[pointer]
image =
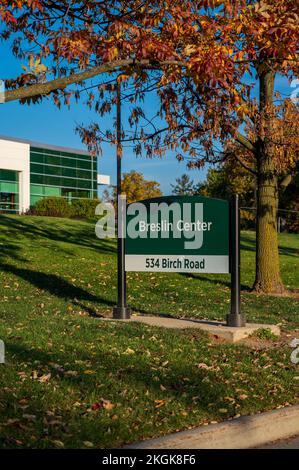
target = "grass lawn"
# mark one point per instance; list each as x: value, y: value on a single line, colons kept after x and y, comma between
x: 73, y: 380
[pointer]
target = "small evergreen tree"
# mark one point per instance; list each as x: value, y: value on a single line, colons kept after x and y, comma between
x: 184, y: 186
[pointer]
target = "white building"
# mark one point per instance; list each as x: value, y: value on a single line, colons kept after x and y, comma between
x: 30, y: 171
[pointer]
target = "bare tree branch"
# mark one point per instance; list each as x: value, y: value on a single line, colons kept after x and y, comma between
x: 245, y: 142
x: 244, y: 165
x: 286, y: 181
x: 41, y: 89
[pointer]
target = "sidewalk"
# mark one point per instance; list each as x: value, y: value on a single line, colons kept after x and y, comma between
x: 246, y: 432
x: 292, y: 443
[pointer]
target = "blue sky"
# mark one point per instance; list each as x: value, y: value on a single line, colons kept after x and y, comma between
x: 46, y: 123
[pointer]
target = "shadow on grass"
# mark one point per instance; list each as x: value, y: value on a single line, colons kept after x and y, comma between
x: 57, y: 286
x: 78, y: 233
x: 132, y: 383
x: 249, y: 244
x: 211, y: 280
x: 183, y: 382
x: 11, y: 250
x: 61, y: 288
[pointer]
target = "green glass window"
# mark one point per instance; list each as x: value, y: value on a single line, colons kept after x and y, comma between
x: 75, y: 194
x: 51, y: 152
x: 8, y: 175
x: 44, y: 190
x: 6, y: 187
x: 9, y: 192
x: 53, y: 160
x: 58, y: 173
x: 84, y: 164
x: 36, y: 158
x: 35, y: 189
x: 38, y: 179
x: 52, y: 180
x: 37, y: 168
x: 70, y: 162
x: 53, y: 170
x: 84, y: 184
x: 34, y: 199
x: 68, y: 183
x: 83, y: 174
x: 69, y: 172
x: 51, y: 191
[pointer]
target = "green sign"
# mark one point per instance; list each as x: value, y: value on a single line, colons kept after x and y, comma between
x: 178, y: 234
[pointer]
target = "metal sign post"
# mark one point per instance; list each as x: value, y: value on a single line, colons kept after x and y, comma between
x: 121, y: 311
x: 235, y: 318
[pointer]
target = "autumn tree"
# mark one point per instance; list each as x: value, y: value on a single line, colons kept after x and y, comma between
x: 200, y: 56
x: 136, y: 188
x: 230, y: 178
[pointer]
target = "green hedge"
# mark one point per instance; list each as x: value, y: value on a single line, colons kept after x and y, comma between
x: 84, y: 208
x: 52, y: 207
x: 59, y: 207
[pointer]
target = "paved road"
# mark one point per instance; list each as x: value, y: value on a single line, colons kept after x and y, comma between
x: 292, y: 443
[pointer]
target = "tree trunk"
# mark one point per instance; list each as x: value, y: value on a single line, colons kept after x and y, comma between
x: 267, y: 257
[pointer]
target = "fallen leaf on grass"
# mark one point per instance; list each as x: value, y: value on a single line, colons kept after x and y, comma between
x: 102, y: 404
x: 159, y: 403
x: 44, y: 378
x: 202, y: 365
x: 54, y: 422
x: 222, y: 410
x: 243, y: 396
x: 58, y: 443
x: 230, y: 399
x: 71, y: 373
x: 40, y: 378
x: 12, y: 422
x: 23, y: 401
x: 96, y: 406
x: 12, y: 440
x: 129, y: 351
x: 57, y: 367
x: 29, y: 417
x: 107, y: 405
x: 22, y: 375
x: 88, y: 444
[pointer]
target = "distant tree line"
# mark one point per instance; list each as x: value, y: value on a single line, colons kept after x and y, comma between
x: 230, y: 178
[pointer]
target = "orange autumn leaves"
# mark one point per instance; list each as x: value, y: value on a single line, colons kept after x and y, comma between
x: 196, y: 54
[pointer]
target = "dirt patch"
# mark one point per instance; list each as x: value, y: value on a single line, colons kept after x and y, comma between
x: 259, y: 344
x: 294, y: 294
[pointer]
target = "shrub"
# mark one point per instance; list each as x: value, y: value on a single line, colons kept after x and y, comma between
x: 60, y: 207
x: 84, y: 208
x: 51, y: 207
